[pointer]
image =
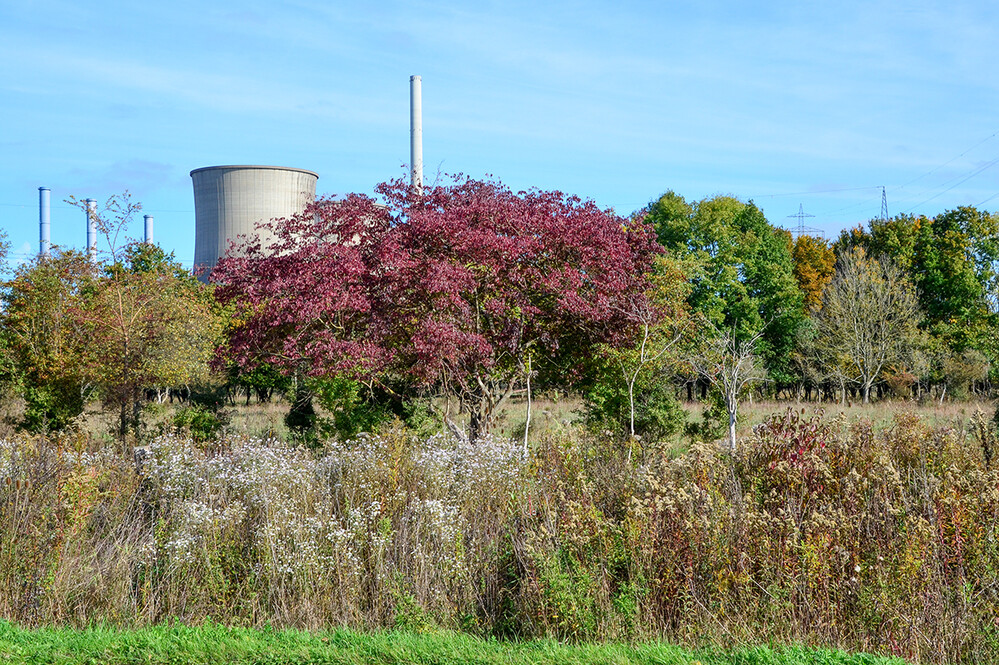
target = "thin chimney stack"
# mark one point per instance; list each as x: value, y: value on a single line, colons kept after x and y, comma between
x: 416, y: 133
x: 92, y: 229
x: 44, y: 220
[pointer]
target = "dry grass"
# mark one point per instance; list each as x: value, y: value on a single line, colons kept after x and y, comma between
x: 880, y: 414
x: 834, y: 532
x: 549, y: 416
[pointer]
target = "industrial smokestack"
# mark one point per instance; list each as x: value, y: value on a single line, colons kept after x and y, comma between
x: 416, y: 133
x: 44, y: 220
x: 149, y: 229
x: 92, y: 229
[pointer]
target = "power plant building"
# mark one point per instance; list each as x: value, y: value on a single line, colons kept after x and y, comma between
x: 230, y: 201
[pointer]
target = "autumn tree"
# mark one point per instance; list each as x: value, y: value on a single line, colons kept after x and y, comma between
x: 814, y: 266
x: 455, y: 288
x: 306, y: 305
x: 77, y: 328
x: 154, y: 325
x: 48, y: 344
x: 868, y: 319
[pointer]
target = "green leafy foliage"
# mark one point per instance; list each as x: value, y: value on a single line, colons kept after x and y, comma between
x: 350, y: 405
x: 713, y: 423
x: 740, y: 268
x: 203, y: 423
x: 302, y: 418
x: 629, y: 389
x: 953, y: 260
x: 658, y: 414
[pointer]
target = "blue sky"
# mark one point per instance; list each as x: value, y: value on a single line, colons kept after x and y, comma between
x: 788, y: 103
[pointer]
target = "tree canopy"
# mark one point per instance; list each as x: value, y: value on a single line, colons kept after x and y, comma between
x: 741, y: 271
x: 461, y: 288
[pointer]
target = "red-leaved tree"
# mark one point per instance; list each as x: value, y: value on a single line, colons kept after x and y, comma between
x: 467, y: 287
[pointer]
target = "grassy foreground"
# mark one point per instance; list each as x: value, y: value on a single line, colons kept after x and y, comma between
x: 212, y: 643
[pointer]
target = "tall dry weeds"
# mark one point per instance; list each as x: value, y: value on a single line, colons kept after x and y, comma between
x: 871, y: 539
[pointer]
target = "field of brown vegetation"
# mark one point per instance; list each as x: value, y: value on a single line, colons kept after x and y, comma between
x: 873, y: 530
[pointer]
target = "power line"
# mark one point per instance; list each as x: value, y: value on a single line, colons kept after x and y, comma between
x: 987, y: 200
x: 814, y: 191
x: 937, y: 168
x: 971, y: 175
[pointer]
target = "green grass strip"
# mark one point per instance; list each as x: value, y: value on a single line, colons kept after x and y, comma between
x: 176, y: 644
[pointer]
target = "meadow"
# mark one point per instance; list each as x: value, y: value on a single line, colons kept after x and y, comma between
x: 871, y: 531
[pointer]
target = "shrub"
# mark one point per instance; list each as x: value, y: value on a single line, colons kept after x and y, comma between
x: 52, y: 406
x: 607, y: 409
x: 302, y: 419
x: 201, y: 422
x: 351, y: 411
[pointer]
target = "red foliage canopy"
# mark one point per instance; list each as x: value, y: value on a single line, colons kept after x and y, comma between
x: 457, y: 285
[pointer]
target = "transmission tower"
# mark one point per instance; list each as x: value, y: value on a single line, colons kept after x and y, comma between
x: 884, y: 205
x: 801, y: 215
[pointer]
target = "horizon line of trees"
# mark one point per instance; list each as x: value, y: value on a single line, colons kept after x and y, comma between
x: 453, y: 301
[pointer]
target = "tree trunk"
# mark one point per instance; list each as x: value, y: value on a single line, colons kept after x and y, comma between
x: 731, y: 428
x: 527, y: 423
x: 478, y: 422
x: 631, y: 404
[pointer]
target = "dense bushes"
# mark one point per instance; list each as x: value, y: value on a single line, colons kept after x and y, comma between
x: 818, y: 532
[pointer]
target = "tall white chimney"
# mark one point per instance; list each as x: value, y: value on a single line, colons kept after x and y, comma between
x: 92, y: 229
x: 416, y: 133
x: 148, y: 219
x: 44, y: 220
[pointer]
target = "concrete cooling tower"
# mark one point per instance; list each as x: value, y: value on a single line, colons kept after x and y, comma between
x: 229, y: 201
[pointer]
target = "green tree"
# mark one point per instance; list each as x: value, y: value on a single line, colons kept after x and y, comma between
x: 953, y: 260
x: 631, y: 393
x: 955, y: 270
x: 741, y: 272
x: 897, y: 238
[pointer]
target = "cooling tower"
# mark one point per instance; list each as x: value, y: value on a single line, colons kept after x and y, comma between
x: 229, y: 201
